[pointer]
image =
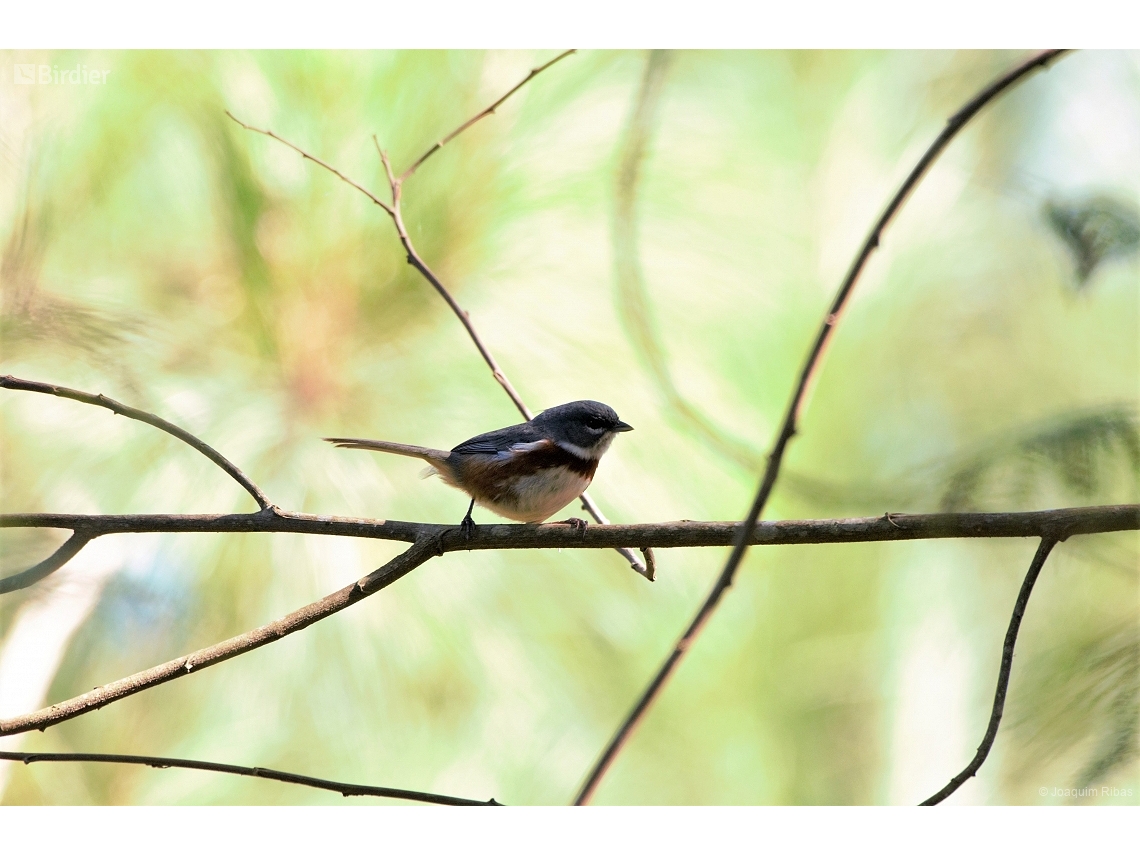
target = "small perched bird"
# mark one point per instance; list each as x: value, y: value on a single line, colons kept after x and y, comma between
x: 524, y: 472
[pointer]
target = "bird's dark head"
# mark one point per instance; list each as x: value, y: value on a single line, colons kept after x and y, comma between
x: 585, y: 428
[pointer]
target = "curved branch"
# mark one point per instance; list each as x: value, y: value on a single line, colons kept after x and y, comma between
x: 379, y: 579
x: 795, y: 405
x: 1043, y: 550
x: 1060, y: 524
x: 9, y: 382
x: 248, y: 771
x: 49, y: 565
x: 534, y: 72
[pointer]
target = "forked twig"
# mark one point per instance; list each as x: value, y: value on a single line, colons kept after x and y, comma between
x: 344, y: 789
x: 1043, y: 550
x: 375, y: 199
x: 9, y: 382
x: 419, y: 264
x: 395, y: 185
x: 791, y: 417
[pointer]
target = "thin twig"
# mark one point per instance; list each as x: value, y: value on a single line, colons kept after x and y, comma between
x: 429, y: 540
x: 375, y: 199
x: 9, y: 382
x: 1060, y: 524
x: 983, y: 751
x: 648, y: 568
x: 49, y: 565
x: 428, y: 274
x: 395, y: 185
x: 791, y: 417
x: 249, y: 771
x: 534, y: 72
x: 381, y: 578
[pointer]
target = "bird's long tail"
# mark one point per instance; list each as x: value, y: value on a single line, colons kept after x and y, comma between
x: 430, y: 455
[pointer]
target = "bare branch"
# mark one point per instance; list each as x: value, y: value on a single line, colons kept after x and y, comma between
x: 648, y: 569
x: 650, y: 563
x: 795, y: 405
x: 45, y: 568
x: 381, y: 578
x: 534, y: 72
x: 1059, y: 524
x: 429, y: 540
x: 461, y: 313
x: 249, y: 771
x: 1043, y: 550
x: 392, y: 182
x: 375, y: 199
x: 413, y: 257
x: 9, y: 382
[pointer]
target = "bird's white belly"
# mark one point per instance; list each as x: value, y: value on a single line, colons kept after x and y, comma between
x: 534, y: 498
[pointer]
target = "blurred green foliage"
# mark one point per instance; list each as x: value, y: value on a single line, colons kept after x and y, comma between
x: 155, y: 251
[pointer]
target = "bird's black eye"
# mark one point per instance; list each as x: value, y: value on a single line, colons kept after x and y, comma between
x: 595, y: 422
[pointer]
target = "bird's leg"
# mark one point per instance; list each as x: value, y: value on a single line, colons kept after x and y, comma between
x: 467, y: 526
x: 579, y: 525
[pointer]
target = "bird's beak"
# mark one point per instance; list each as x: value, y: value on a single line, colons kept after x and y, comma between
x: 621, y: 427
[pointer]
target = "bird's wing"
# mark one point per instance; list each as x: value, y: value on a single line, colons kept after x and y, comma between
x: 502, y: 442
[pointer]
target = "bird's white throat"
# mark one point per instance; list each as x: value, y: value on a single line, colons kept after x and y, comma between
x: 594, y: 453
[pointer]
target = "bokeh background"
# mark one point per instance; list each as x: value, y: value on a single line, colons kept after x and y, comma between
x: 661, y: 232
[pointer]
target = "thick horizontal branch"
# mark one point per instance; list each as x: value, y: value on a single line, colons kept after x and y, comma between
x: 430, y: 540
x: 384, y: 576
x: 249, y: 771
x: 9, y: 382
x: 1057, y: 524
